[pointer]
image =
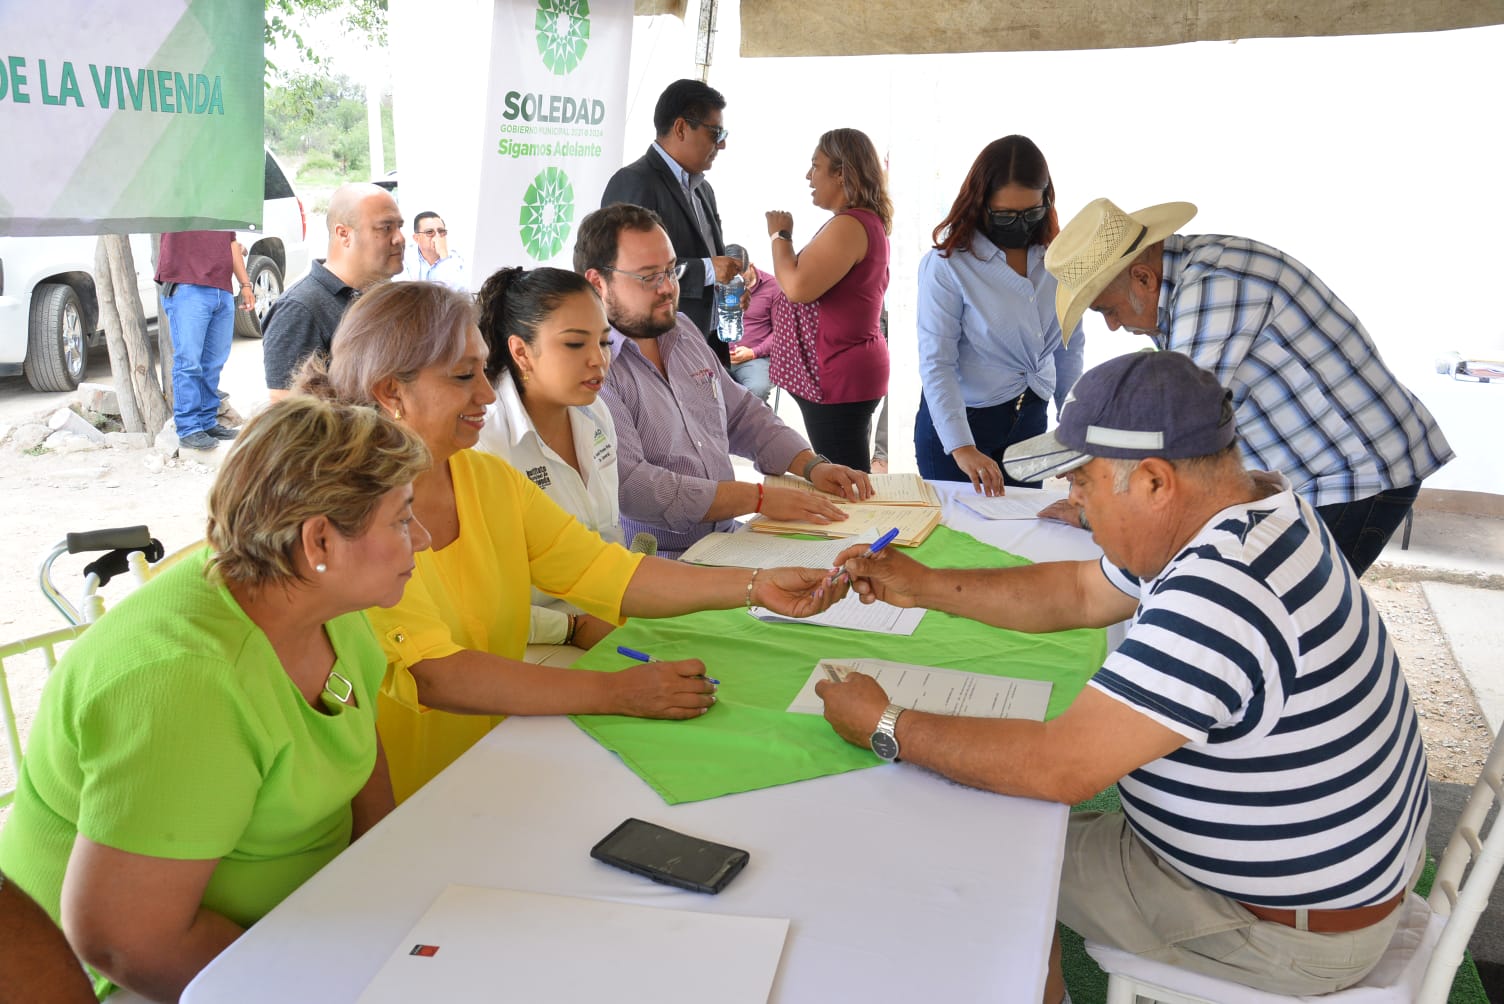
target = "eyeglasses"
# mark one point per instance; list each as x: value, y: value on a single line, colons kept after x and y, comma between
x: 1010, y: 217
x: 718, y: 133
x: 429, y: 233
x: 652, y: 280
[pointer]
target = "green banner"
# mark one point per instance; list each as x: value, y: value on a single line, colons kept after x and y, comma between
x: 749, y: 741
x: 130, y: 118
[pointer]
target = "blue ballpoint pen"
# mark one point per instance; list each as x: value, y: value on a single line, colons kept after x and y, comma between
x: 632, y: 653
x: 877, y: 546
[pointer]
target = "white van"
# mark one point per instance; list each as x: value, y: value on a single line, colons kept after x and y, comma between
x: 49, y: 315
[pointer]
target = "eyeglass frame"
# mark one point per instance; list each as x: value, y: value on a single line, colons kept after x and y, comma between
x: 436, y: 231
x: 652, y: 280
x: 1007, y: 217
x: 718, y: 135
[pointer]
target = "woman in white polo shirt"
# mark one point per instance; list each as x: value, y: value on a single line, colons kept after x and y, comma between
x: 547, y: 332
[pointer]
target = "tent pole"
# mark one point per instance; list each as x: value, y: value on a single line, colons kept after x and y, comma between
x: 705, y: 38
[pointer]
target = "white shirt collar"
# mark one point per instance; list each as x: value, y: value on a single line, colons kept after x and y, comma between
x: 519, y: 424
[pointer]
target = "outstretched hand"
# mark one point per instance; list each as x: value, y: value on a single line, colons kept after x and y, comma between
x: 785, y: 504
x: 796, y: 592
x: 847, y: 482
x: 1063, y: 511
x: 985, y: 474
x: 888, y: 576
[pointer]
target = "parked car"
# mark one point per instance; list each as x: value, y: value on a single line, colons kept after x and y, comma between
x: 49, y: 313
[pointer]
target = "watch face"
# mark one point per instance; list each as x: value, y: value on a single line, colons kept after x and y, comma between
x: 884, y: 745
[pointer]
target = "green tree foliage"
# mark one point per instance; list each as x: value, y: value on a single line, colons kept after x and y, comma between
x: 320, y: 119
x: 285, y: 17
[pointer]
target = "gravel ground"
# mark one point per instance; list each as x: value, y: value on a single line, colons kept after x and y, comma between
x: 1457, y: 737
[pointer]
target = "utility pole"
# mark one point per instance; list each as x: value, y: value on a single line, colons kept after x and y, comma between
x: 705, y: 38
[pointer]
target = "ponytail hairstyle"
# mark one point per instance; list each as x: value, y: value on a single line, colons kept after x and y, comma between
x: 515, y: 301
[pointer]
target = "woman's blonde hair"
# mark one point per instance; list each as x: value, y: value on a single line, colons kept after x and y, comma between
x: 301, y: 458
x: 862, y: 176
x: 393, y: 330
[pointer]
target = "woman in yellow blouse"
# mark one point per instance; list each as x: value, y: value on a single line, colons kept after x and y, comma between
x: 454, y: 643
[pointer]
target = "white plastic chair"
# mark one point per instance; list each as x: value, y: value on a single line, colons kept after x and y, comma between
x: 1422, y: 959
x: 47, y: 645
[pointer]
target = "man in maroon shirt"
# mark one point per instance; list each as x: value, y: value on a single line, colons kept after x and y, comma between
x: 194, y: 268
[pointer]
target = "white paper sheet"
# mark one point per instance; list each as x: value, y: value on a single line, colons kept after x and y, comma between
x: 853, y: 614
x: 478, y: 944
x: 930, y: 688
x: 768, y: 550
x: 1019, y: 503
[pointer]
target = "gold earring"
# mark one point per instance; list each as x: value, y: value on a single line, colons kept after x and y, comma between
x: 526, y: 376
x: 396, y: 414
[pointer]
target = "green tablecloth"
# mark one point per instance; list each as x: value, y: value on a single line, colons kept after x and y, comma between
x: 749, y: 741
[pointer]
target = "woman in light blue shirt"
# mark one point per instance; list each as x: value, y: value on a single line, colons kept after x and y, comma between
x: 990, y: 349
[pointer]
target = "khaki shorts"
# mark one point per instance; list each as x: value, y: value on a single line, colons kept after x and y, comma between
x: 1114, y: 889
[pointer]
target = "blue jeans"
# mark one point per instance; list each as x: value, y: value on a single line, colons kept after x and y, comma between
x: 993, y: 430
x: 1362, y: 528
x: 202, y: 323
x: 753, y: 375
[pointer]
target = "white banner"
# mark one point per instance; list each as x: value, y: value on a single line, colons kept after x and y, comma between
x: 555, y: 114
x: 130, y: 117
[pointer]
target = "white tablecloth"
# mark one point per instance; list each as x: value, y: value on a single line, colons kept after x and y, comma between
x: 898, y: 885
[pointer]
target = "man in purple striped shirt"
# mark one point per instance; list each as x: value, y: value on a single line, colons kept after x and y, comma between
x: 679, y: 415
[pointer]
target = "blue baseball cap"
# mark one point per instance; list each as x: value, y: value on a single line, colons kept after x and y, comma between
x: 1145, y: 404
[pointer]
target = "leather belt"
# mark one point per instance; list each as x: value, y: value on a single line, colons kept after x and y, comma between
x: 1328, y: 921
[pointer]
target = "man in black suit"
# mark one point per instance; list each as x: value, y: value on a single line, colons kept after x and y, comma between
x: 670, y: 180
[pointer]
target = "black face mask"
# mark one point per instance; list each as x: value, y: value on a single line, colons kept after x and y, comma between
x: 1009, y: 229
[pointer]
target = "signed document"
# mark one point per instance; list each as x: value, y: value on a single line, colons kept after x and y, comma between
x: 930, y: 688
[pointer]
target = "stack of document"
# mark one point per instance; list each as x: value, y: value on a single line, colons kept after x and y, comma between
x: 757, y: 550
x: 887, y: 489
x: 901, y: 500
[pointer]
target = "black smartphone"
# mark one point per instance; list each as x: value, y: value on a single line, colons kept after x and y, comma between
x: 670, y: 857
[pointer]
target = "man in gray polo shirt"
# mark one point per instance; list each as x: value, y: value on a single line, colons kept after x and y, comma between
x: 365, y: 247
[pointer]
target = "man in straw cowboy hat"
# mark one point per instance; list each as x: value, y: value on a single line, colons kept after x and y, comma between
x: 1253, y: 662
x: 1314, y: 399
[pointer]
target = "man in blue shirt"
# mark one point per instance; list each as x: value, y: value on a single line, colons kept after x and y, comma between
x: 1314, y: 399
x: 428, y: 258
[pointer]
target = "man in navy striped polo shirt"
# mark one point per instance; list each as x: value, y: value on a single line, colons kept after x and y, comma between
x: 1255, y: 718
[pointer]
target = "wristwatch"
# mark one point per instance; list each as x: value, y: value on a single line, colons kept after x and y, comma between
x: 809, y: 468
x: 783, y: 235
x: 884, y: 742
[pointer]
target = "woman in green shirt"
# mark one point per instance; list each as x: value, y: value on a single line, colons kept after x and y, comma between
x: 210, y: 743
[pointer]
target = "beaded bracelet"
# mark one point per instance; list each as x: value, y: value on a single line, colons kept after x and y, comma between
x: 750, y: 583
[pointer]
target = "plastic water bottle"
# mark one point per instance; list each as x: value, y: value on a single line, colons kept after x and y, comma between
x: 730, y: 296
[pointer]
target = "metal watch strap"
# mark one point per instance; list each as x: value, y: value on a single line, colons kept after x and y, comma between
x: 809, y: 468
x: 887, y: 726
